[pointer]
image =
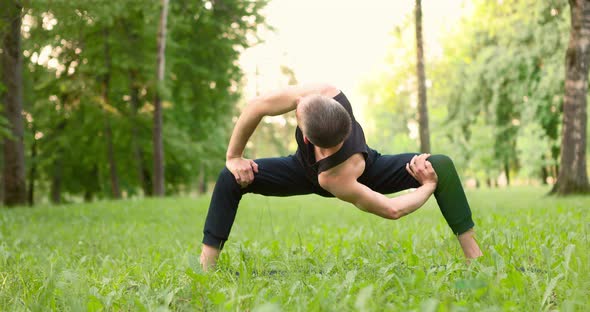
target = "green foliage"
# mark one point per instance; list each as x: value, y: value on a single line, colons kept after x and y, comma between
x: 100, y: 72
x: 292, y: 254
x: 499, y: 78
x: 509, y: 65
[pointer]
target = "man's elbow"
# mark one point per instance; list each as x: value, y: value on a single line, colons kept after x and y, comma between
x: 255, y: 106
x: 326, y: 88
x: 394, y: 214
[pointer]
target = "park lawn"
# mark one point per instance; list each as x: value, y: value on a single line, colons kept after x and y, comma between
x: 302, y: 253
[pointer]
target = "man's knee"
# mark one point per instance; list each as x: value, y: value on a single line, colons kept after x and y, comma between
x: 227, y: 179
x: 441, y: 163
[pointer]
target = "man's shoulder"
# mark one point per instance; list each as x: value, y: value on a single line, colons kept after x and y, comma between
x: 347, y: 171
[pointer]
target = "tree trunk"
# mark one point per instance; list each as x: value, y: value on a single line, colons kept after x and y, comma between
x: 555, y: 151
x: 157, y: 135
x: 573, y: 177
x: 422, y: 108
x: 13, y: 173
x: 507, y: 171
x: 202, y: 180
x: 56, y: 176
x: 1, y: 170
x: 115, y: 190
x: 33, y: 169
x: 544, y: 175
x: 142, y: 171
x: 56, y: 179
x: 94, y: 186
x: 88, y: 196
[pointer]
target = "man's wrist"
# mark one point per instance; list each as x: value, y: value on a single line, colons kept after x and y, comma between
x: 232, y: 156
x: 430, y: 187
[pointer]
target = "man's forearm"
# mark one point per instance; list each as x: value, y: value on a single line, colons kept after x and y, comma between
x: 410, y: 202
x: 245, y: 126
x: 379, y: 204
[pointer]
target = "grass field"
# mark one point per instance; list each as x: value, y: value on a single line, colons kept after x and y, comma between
x: 305, y: 254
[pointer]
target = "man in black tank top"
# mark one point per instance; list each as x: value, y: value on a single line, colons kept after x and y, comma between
x: 332, y: 160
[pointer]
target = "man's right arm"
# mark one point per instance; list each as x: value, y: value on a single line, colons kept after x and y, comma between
x: 269, y: 104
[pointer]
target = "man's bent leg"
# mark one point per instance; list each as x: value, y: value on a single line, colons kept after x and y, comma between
x: 281, y: 176
x: 387, y: 174
x: 450, y: 196
x: 453, y: 204
x: 222, y: 209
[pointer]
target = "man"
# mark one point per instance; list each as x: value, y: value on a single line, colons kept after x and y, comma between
x: 332, y: 160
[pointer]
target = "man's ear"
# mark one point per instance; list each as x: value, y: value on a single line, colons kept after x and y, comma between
x: 305, y: 140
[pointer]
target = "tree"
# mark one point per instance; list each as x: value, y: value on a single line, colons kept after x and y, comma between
x: 158, y: 142
x: 14, y: 156
x: 488, y: 86
x: 108, y: 129
x: 573, y: 177
x: 510, y: 78
x: 135, y: 33
x: 89, y: 82
x: 422, y: 108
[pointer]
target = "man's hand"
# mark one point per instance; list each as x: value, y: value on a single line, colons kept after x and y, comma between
x: 421, y: 169
x: 243, y: 169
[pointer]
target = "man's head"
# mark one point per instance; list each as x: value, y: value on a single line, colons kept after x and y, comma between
x: 323, y: 121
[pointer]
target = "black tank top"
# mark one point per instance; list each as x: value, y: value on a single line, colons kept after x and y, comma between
x: 355, y: 143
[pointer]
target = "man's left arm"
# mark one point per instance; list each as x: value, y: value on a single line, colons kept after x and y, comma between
x: 346, y: 187
x: 370, y: 201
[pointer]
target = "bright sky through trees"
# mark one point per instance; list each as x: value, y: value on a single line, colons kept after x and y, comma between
x: 337, y: 41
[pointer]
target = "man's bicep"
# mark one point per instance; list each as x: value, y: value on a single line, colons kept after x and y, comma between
x: 350, y: 192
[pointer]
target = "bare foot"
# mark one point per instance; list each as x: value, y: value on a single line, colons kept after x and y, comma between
x: 469, y: 245
x: 209, y: 256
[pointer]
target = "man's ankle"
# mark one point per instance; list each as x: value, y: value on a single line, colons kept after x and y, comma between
x: 469, y: 245
x: 209, y: 256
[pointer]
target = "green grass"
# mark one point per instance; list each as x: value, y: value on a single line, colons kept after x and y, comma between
x: 305, y: 253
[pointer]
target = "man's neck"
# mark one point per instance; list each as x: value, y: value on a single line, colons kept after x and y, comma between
x: 322, y: 152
